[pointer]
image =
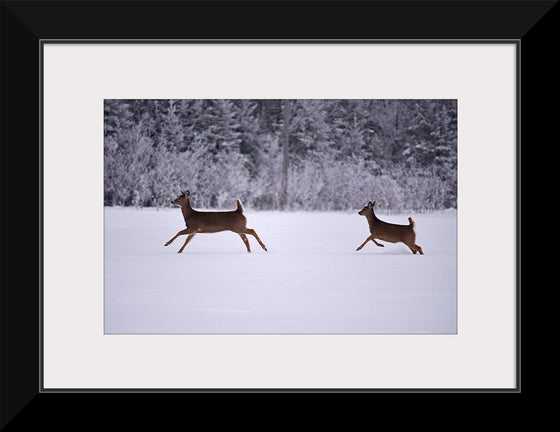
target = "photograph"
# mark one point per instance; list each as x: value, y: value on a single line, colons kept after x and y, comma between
x: 280, y: 216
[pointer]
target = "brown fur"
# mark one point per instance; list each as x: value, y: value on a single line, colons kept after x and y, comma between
x: 389, y: 232
x: 211, y: 222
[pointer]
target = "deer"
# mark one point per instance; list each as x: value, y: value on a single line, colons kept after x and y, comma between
x: 212, y: 221
x: 389, y: 232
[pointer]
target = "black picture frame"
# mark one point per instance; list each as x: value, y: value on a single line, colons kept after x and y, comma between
x: 26, y: 24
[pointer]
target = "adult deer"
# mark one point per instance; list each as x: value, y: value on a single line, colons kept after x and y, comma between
x: 211, y: 222
x: 389, y: 232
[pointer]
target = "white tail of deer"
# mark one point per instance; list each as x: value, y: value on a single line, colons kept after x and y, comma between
x: 389, y: 232
x: 211, y: 222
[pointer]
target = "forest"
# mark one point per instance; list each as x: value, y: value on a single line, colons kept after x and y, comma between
x: 273, y: 154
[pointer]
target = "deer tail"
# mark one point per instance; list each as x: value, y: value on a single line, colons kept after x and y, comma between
x: 239, y: 207
x: 411, y: 222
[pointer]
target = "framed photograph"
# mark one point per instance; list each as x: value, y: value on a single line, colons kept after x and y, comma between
x: 353, y: 199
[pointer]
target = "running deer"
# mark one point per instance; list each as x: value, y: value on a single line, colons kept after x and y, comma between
x: 211, y: 222
x: 389, y: 232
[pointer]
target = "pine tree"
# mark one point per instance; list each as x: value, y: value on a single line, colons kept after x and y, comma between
x: 172, y: 130
x: 286, y: 134
x: 219, y: 126
x: 309, y: 128
x: 249, y: 130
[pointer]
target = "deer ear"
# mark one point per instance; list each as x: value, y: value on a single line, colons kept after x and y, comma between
x: 373, y: 204
x: 187, y: 192
x: 370, y: 204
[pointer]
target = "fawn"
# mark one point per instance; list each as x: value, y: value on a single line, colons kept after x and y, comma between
x: 211, y: 222
x: 389, y: 232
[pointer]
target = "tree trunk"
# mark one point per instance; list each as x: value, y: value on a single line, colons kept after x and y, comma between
x: 285, y: 142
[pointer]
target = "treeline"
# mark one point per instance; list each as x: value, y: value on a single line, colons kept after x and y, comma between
x: 282, y: 154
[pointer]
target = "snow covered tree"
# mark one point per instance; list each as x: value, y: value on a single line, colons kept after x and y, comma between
x: 267, y: 191
x: 249, y: 132
x: 219, y: 126
x: 286, y: 133
x: 309, y: 128
x: 336, y: 151
x: 172, y: 130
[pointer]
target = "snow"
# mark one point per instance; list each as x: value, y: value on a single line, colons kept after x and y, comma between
x: 311, y: 281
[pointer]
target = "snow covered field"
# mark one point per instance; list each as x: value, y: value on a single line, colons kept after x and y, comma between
x: 311, y: 281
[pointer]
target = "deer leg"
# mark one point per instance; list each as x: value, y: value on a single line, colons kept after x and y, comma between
x: 378, y: 244
x: 415, y: 248
x: 182, y: 232
x: 364, y: 243
x: 254, y: 234
x: 245, y: 240
x: 186, y: 242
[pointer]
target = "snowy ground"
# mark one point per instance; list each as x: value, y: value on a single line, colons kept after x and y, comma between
x: 310, y: 281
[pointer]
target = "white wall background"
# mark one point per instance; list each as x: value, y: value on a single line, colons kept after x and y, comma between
x: 76, y: 80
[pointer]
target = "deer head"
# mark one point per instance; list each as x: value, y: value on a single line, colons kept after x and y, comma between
x: 368, y: 209
x: 182, y: 199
